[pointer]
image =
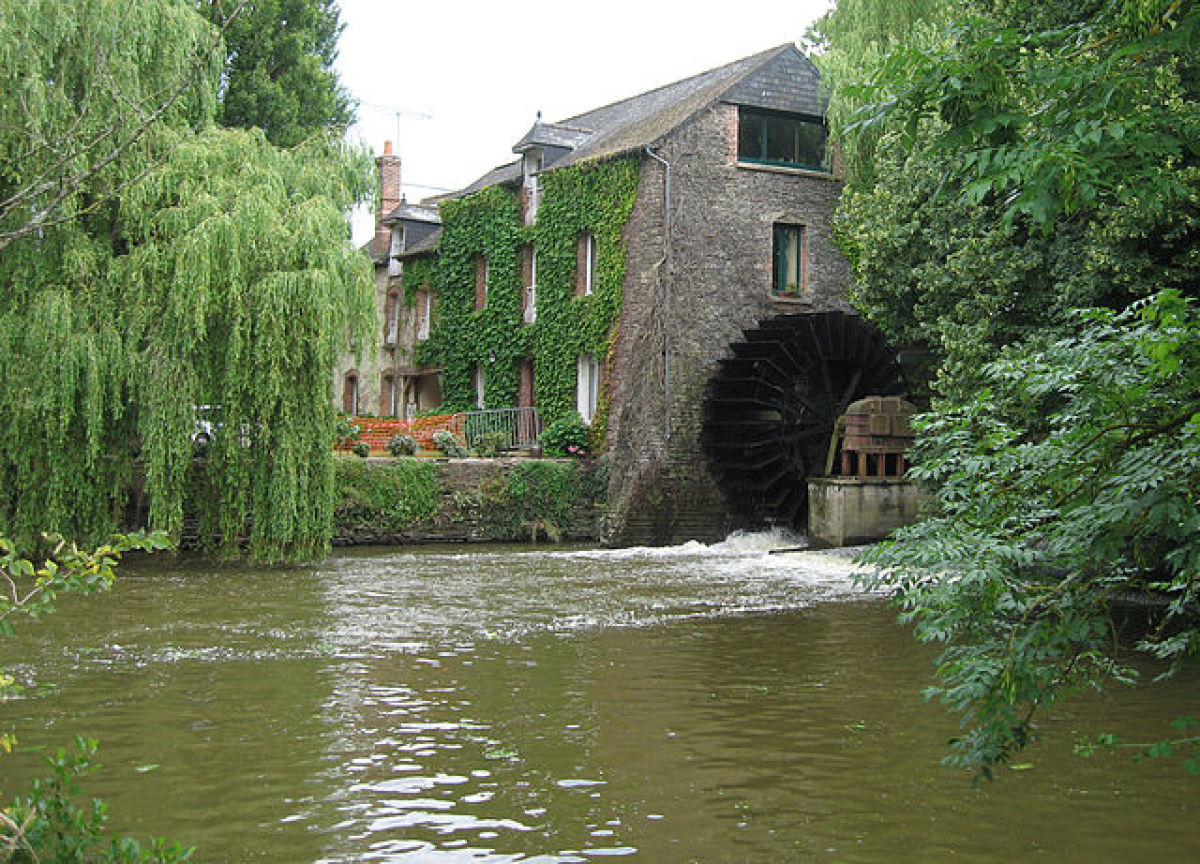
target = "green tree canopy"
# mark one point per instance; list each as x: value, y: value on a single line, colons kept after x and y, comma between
x: 154, y: 264
x: 1041, y: 157
x: 279, y: 74
x: 1031, y: 213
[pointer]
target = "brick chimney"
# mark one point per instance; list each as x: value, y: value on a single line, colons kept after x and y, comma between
x: 388, y: 166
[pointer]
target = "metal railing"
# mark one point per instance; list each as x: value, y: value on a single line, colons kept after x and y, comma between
x: 507, y: 428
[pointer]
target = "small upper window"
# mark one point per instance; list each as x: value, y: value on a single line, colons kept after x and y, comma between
x: 477, y: 380
x: 481, y: 281
x: 790, y: 250
x: 585, y: 264
x: 350, y: 394
x: 529, y: 277
x: 395, y: 248
x: 424, y: 313
x: 776, y: 138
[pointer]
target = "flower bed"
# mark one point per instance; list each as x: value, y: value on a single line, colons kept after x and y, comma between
x: 376, y: 432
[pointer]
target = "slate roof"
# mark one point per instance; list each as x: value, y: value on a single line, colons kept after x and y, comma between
x: 413, y: 213
x: 552, y: 135
x: 780, y: 79
x: 508, y: 174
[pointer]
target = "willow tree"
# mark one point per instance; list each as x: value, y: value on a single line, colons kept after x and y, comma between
x: 153, y: 263
x: 238, y: 292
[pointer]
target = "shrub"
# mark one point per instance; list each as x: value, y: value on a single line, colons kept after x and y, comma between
x: 362, y: 449
x: 402, y: 445
x: 566, y: 436
x: 385, y: 496
x: 448, y: 444
x: 491, y: 443
x: 345, y: 432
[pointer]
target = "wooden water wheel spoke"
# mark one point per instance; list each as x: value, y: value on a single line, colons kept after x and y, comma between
x: 774, y: 401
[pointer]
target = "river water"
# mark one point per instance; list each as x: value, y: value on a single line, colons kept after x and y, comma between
x: 697, y: 703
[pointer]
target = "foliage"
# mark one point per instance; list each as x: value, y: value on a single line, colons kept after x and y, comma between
x: 544, y: 497
x: 537, y: 499
x: 566, y: 436
x: 1008, y: 168
x: 1186, y: 731
x: 361, y: 449
x: 71, y: 139
x: 30, y: 591
x: 486, y: 224
x: 848, y: 42
x: 46, y: 824
x: 1038, y: 158
x: 449, y: 444
x: 1070, y: 481
x: 419, y: 272
x: 402, y: 445
x: 492, y: 442
x: 345, y: 430
x: 385, y: 496
x: 279, y: 70
x: 595, y: 197
x: 197, y: 268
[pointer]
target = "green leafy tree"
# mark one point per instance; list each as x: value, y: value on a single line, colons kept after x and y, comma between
x: 154, y: 264
x: 84, y: 109
x: 1030, y: 213
x: 279, y: 74
x: 1068, y: 483
x: 1041, y: 158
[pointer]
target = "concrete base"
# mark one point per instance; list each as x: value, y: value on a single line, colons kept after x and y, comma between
x: 846, y: 511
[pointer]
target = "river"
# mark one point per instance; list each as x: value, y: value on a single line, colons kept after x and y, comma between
x: 496, y: 704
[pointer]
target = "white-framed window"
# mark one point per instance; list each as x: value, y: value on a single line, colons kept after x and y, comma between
x: 388, y: 393
x: 587, y: 387
x: 529, y: 301
x: 532, y: 167
x: 394, y: 249
x: 392, y: 328
x: 424, y: 313
x: 479, y: 387
x: 585, y: 264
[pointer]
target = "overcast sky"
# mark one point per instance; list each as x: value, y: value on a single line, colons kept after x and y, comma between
x: 455, y: 83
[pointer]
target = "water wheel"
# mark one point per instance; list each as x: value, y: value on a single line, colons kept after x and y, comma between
x: 773, y: 403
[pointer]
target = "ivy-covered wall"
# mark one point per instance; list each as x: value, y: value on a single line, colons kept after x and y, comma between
x: 403, y: 501
x: 596, y: 198
x: 487, y: 223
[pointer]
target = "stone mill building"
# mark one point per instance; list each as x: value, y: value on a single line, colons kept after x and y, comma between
x: 664, y: 266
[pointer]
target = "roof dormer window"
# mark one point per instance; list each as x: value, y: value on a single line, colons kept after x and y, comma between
x: 779, y: 138
x: 396, y: 247
x: 532, y: 162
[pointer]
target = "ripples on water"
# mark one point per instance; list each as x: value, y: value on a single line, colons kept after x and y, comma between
x: 712, y: 703
x: 506, y: 594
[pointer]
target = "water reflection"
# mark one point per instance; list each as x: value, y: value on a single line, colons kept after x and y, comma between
x: 696, y: 703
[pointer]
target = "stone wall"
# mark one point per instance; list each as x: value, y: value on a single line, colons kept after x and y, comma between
x: 688, y: 297
x: 466, y: 489
x: 848, y: 511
